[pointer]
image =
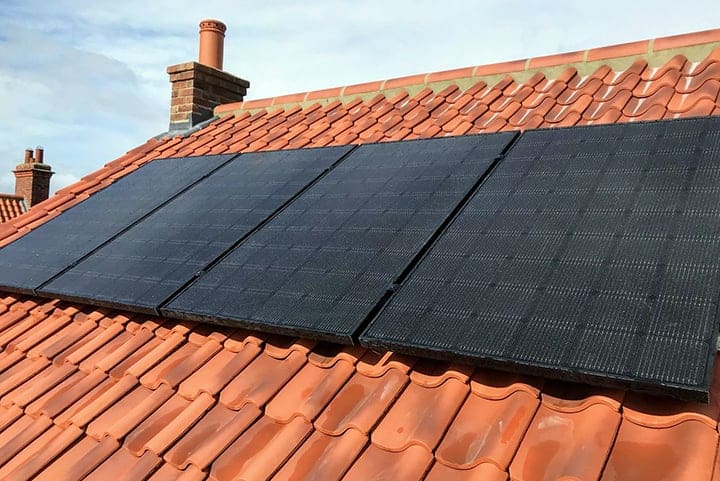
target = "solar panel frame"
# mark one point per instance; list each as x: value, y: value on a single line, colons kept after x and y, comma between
x: 470, y: 284
x: 49, y: 249
x: 331, y: 246
x: 145, y: 265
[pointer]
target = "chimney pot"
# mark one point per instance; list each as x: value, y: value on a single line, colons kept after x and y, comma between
x: 28, y: 156
x: 198, y: 87
x: 212, y: 37
x: 39, y: 155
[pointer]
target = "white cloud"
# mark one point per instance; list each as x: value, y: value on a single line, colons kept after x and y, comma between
x: 87, y: 80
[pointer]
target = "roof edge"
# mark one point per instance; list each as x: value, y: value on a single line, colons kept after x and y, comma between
x: 695, y: 46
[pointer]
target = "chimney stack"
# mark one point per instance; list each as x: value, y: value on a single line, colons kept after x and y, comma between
x: 198, y: 87
x: 32, y: 178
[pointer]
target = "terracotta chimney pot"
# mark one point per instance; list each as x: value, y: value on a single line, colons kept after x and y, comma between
x: 212, y: 37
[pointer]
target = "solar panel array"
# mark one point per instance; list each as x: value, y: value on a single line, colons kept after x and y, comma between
x: 322, y: 264
x: 142, y: 267
x: 587, y: 253
x: 590, y: 252
x: 54, y: 246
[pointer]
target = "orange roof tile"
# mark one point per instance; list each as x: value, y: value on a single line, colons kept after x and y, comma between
x: 11, y: 206
x: 90, y: 393
x: 361, y: 413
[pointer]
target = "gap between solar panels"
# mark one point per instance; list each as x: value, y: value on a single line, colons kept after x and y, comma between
x: 57, y: 245
x: 165, y: 251
x: 321, y: 266
x: 589, y: 254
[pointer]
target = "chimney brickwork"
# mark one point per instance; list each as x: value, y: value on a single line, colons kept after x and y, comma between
x: 198, y: 87
x: 32, y: 178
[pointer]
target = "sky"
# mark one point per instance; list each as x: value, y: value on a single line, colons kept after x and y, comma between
x: 86, y: 79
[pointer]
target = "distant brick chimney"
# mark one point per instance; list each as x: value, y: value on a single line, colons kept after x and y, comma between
x: 32, y: 178
x: 198, y: 87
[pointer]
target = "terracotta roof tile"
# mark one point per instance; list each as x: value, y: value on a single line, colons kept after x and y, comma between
x: 561, y: 444
x: 261, y: 380
x: 420, y: 416
x: 481, y: 472
x: 683, y: 452
x: 11, y: 206
x: 78, y: 461
x: 218, y: 371
x: 361, y: 402
x: 376, y: 463
x: 126, y: 466
x: 36, y: 455
x: 260, y: 450
x: 168, y: 472
x: 487, y: 431
x: 211, y: 435
x: 323, y: 457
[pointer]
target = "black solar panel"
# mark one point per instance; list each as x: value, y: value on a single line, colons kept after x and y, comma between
x: 321, y: 265
x: 50, y: 248
x: 149, y: 262
x: 589, y: 253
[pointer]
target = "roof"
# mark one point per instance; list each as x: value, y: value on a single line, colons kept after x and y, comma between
x: 89, y: 393
x: 115, y: 395
x: 11, y: 206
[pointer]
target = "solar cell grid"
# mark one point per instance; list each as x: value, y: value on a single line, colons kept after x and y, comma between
x: 321, y: 265
x: 149, y: 262
x: 588, y: 252
x: 52, y: 247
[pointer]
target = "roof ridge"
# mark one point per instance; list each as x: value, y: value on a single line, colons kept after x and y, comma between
x: 649, y: 48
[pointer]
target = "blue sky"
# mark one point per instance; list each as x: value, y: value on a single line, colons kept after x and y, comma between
x: 86, y: 80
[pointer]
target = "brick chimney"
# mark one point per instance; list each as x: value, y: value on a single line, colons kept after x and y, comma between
x: 197, y: 87
x: 32, y: 178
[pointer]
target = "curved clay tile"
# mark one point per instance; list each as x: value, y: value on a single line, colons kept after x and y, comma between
x: 695, y: 68
x: 218, y: 371
x: 654, y: 112
x: 682, y: 102
x: 377, y: 464
x: 675, y: 63
x: 126, y: 466
x: 323, y: 457
x: 180, y: 365
x: 574, y: 445
x: 361, y: 402
x: 430, y: 373
x: 568, y: 96
x: 124, y: 415
x: 487, y: 431
x: 164, y: 426
x: 701, y: 108
x: 599, y: 109
x: 636, y: 69
x: 609, y: 91
x: 256, y: 454
x: 648, y: 87
x: 420, y: 416
x: 684, y: 452
x: 578, y: 82
x: 690, y: 83
x: 211, y: 436
x: 297, y: 399
x: 80, y: 460
x: 482, y: 472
